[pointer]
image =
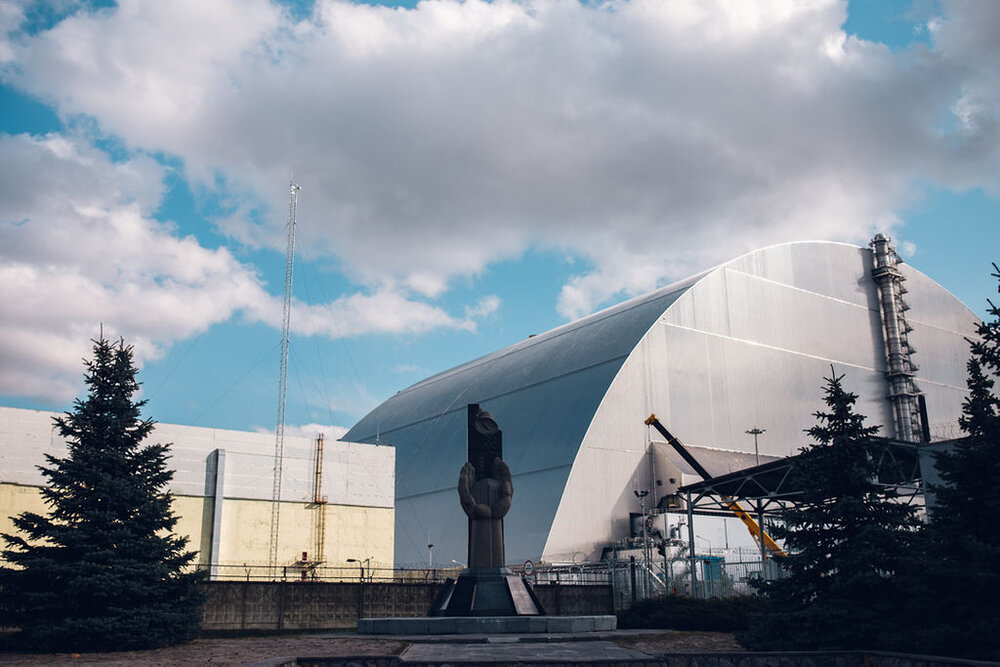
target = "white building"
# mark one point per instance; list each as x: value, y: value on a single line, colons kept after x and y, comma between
x: 223, y: 490
x: 745, y: 344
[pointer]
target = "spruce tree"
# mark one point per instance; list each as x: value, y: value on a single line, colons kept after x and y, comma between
x: 845, y: 536
x: 957, y: 577
x: 102, y: 570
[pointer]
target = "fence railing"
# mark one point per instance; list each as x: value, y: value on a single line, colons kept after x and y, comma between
x: 716, y: 575
x: 630, y: 580
x: 585, y: 573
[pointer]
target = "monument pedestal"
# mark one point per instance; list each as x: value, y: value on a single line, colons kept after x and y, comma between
x: 488, y: 625
x: 490, y: 591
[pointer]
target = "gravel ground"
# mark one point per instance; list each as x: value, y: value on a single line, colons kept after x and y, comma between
x: 241, y: 651
x: 230, y: 651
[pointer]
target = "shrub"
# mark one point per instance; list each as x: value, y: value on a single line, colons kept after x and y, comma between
x: 683, y: 613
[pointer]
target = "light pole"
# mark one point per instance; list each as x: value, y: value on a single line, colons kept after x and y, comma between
x: 755, y: 432
x: 364, y: 562
x: 641, y: 495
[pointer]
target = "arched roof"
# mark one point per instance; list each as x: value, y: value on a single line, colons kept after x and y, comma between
x: 543, y: 390
x: 706, y: 353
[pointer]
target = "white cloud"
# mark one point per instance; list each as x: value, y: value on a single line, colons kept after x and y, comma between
x: 409, y: 368
x: 381, y: 312
x: 486, y: 306
x: 329, y: 432
x: 648, y: 138
x: 78, y: 248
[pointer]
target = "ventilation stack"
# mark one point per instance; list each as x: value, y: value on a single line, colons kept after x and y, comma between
x: 903, y: 391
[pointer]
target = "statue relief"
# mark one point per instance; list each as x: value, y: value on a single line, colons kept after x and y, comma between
x: 485, y: 491
x: 485, y: 501
x: 486, y: 587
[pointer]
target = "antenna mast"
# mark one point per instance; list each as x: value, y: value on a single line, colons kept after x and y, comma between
x: 279, y: 429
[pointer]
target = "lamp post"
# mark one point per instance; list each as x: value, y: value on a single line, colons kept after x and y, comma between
x: 364, y: 562
x: 755, y: 432
x: 361, y: 589
x: 641, y: 495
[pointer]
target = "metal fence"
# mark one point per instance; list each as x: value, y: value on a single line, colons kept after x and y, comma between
x: 585, y: 573
x: 319, y: 572
x: 716, y: 574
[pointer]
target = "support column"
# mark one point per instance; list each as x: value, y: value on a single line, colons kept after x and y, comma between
x: 763, y: 549
x: 219, y: 459
x: 692, y: 563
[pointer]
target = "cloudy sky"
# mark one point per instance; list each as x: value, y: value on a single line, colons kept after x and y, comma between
x: 471, y: 172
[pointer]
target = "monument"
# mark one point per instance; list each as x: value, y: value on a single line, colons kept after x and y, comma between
x: 487, y: 597
x: 485, y: 490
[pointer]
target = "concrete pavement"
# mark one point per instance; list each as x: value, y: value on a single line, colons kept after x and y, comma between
x: 515, y: 650
x: 509, y: 649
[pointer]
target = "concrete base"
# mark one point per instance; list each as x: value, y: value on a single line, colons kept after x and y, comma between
x: 457, y: 625
x: 488, y: 592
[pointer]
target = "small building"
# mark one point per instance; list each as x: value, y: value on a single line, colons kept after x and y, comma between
x: 336, y: 496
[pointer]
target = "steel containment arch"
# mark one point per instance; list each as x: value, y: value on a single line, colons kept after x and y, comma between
x: 747, y: 343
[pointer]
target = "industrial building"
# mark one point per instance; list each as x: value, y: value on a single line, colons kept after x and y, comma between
x: 740, y: 348
x: 336, y: 497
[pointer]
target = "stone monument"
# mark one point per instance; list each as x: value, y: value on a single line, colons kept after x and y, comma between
x: 486, y: 587
x: 487, y: 597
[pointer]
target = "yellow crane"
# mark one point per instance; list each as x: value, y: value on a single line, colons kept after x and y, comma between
x: 734, y: 506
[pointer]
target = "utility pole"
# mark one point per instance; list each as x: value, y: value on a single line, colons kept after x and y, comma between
x: 279, y: 430
x: 641, y: 495
x: 755, y: 432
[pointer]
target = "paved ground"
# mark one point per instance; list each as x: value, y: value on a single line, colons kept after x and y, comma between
x: 619, y: 646
x: 564, y: 651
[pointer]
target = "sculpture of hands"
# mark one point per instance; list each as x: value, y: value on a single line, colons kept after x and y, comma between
x: 490, y: 497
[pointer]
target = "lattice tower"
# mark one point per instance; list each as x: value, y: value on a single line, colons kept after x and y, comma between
x: 279, y: 429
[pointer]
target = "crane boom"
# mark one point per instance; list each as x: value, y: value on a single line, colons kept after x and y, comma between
x: 733, y: 506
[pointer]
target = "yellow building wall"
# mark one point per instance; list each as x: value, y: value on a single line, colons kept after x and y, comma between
x: 194, y: 521
x: 350, y: 532
x: 17, y: 498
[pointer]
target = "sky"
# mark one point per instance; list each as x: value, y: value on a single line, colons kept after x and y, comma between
x: 471, y: 173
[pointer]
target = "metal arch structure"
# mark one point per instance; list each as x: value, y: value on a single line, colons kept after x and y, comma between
x: 747, y: 342
x: 770, y: 487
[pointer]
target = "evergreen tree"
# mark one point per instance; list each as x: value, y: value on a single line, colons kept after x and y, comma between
x: 845, y: 538
x: 956, y: 574
x: 102, y: 569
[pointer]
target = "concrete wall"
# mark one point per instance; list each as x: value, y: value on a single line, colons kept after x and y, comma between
x: 233, y: 605
x: 357, y: 484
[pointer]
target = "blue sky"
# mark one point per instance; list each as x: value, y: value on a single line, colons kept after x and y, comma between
x: 471, y: 173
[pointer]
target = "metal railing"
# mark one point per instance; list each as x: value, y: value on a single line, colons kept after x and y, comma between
x: 717, y: 574
x: 318, y: 572
x: 582, y: 574
x: 630, y: 580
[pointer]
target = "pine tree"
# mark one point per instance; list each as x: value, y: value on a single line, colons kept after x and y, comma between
x: 102, y: 569
x: 845, y: 538
x: 957, y: 574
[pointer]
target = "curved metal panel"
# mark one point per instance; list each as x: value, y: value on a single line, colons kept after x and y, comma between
x: 749, y: 345
x: 745, y: 344
x: 543, y: 392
